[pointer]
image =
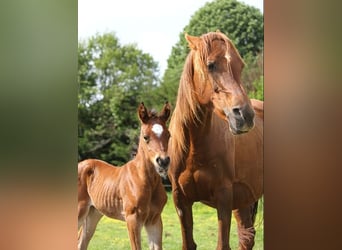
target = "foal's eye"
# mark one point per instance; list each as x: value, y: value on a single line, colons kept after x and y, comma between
x: 146, y: 138
x: 211, y: 66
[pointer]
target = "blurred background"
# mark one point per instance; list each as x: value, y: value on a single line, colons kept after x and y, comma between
x: 39, y: 128
x: 135, y: 51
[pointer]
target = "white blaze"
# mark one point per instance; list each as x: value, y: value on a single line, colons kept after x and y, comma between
x: 157, y: 129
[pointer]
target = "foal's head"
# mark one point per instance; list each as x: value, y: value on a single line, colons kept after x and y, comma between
x: 154, y: 137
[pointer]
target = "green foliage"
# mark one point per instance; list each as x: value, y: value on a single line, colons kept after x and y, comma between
x: 258, y: 93
x: 243, y: 24
x: 252, y: 76
x: 113, y: 80
x: 112, y: 234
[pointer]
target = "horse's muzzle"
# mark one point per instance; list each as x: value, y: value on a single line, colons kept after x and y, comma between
x: 241, y: 120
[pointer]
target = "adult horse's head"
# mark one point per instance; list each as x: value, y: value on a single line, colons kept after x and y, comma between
x: 216, y: 77
x: 154, y: 137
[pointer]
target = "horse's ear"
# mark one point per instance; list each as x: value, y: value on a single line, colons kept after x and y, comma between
x: 218, y: 31
x: 143, y: 113
x: 166, y: 111
x: 192, y: 41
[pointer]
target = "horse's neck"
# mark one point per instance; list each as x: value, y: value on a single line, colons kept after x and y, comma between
x: 188, y: 134
x: 208, y: 131
x: 143, y: 164
x: 202, y: 125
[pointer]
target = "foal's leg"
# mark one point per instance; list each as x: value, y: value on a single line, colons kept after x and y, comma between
x: 83, y: 210
x: 184, y: 211
x: 154, y: 233
x: 88, y: 228
x: 134, y: 230
x: 245, y: 218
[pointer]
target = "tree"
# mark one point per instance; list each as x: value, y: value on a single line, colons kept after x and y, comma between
x: 253, y: 77
x: 243, y: 24
x: 113, y: 80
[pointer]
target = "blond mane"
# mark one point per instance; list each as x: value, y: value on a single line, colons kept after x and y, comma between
x: 185, y: 111
x: 187, y: 107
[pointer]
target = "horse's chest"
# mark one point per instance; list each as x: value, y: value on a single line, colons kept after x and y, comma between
x: 203, y: 180
x: 211, y: 164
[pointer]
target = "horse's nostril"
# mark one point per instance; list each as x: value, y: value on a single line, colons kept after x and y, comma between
x: 236, y: 111
x: 159, y: 161
x: 163, y: 162
x: 167, y: 161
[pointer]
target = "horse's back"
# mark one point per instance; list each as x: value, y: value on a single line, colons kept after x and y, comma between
x: 92, y: 164
x: 258, y: 107
x: 97, y: 167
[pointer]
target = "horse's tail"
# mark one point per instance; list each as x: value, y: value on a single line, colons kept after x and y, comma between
x: 254, y: 210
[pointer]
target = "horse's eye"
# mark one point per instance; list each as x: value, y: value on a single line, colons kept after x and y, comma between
x: 211, y: 66
x: 146, y: 138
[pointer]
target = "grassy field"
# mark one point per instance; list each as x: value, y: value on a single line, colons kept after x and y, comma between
x: 112, y: 234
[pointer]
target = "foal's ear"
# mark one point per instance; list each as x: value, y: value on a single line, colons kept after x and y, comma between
x: 166, y: 111
x: 192, y: 41
x: 143, y: 113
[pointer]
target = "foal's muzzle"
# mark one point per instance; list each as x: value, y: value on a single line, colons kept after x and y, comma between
x: 163, y: 162
x: 163, y: 165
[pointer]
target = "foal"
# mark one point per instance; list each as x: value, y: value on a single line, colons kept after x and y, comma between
x: 134, y: 192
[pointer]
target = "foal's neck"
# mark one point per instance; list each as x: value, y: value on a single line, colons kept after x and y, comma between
x: 143, y: 162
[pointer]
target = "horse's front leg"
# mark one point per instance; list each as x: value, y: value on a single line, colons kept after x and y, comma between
x: 245, y: 218
x: 184, y: 211
x: 134, y: 225
x: 224, y: 214
x: 154, y: 231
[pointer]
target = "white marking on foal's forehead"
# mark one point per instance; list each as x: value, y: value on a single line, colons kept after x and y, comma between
x: 157, y: 129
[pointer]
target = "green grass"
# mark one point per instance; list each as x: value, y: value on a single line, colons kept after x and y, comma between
x: 112, y: 234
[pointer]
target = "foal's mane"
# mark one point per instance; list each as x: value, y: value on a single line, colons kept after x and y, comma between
x: 187, y: 107
x: 153, y: 113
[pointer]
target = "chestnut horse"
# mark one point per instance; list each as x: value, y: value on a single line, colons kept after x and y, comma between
x: 134, y: 192
x: 217, y: 141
